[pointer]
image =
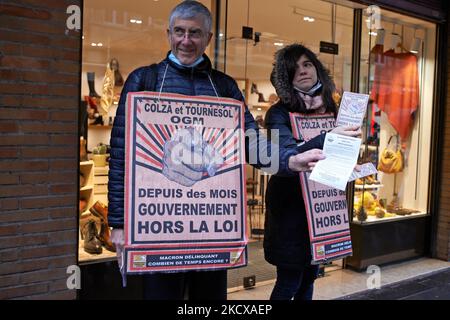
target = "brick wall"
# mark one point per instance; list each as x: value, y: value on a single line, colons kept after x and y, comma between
x: 39, y: 97
x: 443, y: 226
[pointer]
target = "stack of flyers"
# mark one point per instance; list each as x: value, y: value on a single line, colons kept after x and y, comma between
x: 352, y: 109
x: 367, y: 169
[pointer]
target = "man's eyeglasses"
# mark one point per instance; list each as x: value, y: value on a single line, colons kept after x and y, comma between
x: 191, y: 34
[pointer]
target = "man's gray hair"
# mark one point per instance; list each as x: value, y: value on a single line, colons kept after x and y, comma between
x: 190, y: 9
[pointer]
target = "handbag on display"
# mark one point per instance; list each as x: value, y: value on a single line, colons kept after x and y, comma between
x: 391, y: 160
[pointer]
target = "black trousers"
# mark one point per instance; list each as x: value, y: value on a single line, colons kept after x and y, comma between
x: 297, y: 284
x: 191, y: 285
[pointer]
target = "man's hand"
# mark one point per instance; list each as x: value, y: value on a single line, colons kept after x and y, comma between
x: 351, y: 131
x: 118, y: 239
x: 305, y: 161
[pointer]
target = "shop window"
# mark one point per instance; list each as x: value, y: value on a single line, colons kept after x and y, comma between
x: 397, y: 71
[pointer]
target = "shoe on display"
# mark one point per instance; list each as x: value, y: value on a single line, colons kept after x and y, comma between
x: 92, y: 104
x: 83, y: 205
x: 91, y: 84
x: 98, y: 121
x: 369, y: 179
x: 92, y: 244
x: 105, y: 237
x: 100, y: 210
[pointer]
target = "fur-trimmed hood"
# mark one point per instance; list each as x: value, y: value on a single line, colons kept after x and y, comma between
x: 283, y: 73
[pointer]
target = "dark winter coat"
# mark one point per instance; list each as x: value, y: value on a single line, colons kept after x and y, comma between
x: 286, y: 237
x: 191, y: 81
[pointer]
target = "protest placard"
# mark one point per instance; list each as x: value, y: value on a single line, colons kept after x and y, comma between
x: 184, y: 183
x: 326, y: 207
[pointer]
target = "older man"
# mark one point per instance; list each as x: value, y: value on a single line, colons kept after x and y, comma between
x: 187, y: 70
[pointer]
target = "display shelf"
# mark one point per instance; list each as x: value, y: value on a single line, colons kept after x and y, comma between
x: 387, y: 241
x: 88, y: 195
x: 87, y: 188
x: 85, y: 213
x: 262, y: 104
x: 368, y: 147
x: 368, y: 186
x: 85, y: 164
x: 99, y: 127
x: 87, y: 258
x: 87, y: 169
x: 98, y: 192
x: 374, y: 220
x: 101, y: 184
x: 101, y: 170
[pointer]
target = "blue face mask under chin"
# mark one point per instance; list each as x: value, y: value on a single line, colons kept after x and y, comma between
x: 175, y: 59
x: 313, y: 89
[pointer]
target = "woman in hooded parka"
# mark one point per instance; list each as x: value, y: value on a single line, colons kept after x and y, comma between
x: 305, y: 86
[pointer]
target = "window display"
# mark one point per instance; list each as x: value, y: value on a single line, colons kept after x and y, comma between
x: 397, y: 59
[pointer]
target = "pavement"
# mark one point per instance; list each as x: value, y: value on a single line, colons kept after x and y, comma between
x: 434, y: 286
x: 416, y: 279
x: 430, y: 287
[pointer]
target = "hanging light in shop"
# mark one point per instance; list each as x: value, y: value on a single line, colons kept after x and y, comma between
x: 300, y: 13
x: 396, y: 39
x: 380, y: 36
x: 416, y: 44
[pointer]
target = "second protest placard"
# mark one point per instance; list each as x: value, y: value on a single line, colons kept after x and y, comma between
x: 326, y: 207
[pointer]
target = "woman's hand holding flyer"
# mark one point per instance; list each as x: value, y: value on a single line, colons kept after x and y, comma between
x: 341, y: 146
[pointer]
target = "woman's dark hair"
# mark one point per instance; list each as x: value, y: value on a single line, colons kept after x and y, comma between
x: 283, y: 72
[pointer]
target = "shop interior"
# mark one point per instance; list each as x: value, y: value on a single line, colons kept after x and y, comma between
x: 120, y: 36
